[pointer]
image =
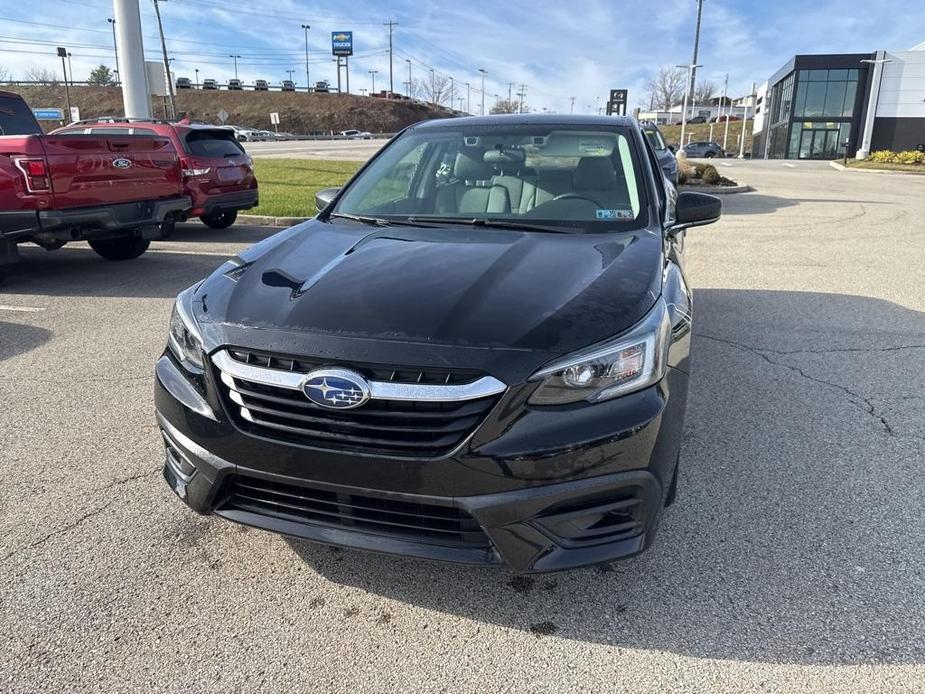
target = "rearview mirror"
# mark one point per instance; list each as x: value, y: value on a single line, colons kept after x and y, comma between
x: 323, y: 197
x: 696, y: 209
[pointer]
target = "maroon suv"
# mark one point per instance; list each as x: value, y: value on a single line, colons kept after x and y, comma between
x: 218, y: 175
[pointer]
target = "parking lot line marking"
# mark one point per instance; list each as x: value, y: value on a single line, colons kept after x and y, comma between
x: 724, y: 163
x: 22, y: 309
x: 792, y: 166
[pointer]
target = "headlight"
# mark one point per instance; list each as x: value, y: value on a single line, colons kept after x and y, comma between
x: 184, y: 340
x: 630, y: 362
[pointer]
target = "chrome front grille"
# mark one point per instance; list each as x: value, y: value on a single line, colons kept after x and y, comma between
x: 427, y: 413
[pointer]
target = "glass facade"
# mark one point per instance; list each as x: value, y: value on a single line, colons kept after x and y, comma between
x: 811, y: 112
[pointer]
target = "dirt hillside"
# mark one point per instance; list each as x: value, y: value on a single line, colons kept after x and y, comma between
x: 299, y: 113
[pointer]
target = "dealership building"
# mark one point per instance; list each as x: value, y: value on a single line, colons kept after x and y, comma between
x: 816, y: 104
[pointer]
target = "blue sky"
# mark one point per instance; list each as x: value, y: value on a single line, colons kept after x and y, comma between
x: 558, y: 49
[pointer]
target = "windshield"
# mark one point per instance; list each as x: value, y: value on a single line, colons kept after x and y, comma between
x: 582, y: 176
x: 655, y: 139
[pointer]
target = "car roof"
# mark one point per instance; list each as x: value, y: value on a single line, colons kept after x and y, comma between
x: 528, y: 119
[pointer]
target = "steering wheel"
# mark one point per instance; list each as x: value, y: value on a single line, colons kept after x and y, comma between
x: 576, y: 196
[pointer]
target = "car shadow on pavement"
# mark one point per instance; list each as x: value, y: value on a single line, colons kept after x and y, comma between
x: 758, y: 203
x: 237, y: 233
x: 797, y: 536
x: 19, y: 338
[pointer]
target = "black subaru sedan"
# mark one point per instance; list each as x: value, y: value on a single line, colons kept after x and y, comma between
x: 478, y: 351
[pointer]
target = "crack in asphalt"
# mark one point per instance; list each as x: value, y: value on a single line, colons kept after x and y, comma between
x: 857, y: 399
x: 80, y: 520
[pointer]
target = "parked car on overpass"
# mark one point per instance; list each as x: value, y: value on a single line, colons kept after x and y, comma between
x: 184, y: 83
x: 261, y: 86
x: 356, y: 134
x: 209, y: 84
x: 235, y: 85
x: 288, y: 86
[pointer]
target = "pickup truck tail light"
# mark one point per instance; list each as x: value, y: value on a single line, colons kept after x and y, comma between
x: 35, y: 173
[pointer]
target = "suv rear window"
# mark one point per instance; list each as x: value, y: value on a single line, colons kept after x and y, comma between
x: 212, y: 143
x: 16, y: 118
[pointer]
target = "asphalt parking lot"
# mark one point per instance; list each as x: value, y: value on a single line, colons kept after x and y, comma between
x: 793, y: 561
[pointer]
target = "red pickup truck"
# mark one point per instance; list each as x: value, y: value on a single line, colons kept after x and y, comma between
x: 116, y: 192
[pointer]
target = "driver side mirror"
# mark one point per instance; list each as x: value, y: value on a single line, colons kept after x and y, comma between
x: 694, y: 210
x: 323, y: 197
x: 672, y: 149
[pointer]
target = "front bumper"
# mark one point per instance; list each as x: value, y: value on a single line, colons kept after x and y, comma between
x: 577, y: 498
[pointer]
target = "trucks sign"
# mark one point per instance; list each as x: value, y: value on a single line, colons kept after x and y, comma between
x: 48, y: 113
x: 342, y: 43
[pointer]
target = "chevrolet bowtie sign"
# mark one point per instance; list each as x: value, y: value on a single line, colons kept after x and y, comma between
x: 342, y: 42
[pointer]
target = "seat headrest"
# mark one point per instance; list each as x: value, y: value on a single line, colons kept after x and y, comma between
x: 594, y: 173
x: 470, y: 167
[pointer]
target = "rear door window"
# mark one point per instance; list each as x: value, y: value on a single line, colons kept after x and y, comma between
x: 212, y: 143
x: 16, y: 118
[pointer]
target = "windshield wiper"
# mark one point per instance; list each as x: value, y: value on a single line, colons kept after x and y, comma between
x: 372, y: 221
x: 488, y: 223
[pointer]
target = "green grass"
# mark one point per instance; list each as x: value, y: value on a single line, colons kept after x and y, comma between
x: 865, y: 164
x: 288, y: 186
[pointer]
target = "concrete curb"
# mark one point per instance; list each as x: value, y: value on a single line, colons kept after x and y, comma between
x: 261, y: 221
x: 716, y: 190
x: 841, y: 167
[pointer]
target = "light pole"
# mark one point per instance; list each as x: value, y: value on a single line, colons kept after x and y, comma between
x: 875, y: 81
x: 308, y: 83
x: 433, y: 87
x: 232, y: 55
x: 571, y: 108
x: 452, y: 90
x: 160, y: 28
x: 482, y: 110
x: 373, y: 74
x: 62, y: 53
x: 290, y: 74
x: 409, y: 82
x: 115, y: 47
x: 363, y: 91
x: 197, y: 78
x: 690, y: 69
x: 468, y: 94
x: 694, y: 64
x: 70, y: 68
x: 751, y: 98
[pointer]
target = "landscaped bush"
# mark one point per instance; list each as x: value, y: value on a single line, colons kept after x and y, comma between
x: 710, y: 175
x: 885, y: 156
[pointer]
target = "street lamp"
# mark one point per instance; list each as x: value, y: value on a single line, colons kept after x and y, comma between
x: 115, y: 47
x: 235, y: 64
x: 197, y: 78
x: 690, y: 75
x: 482, y: 111
x: 308, y: 82
x: 468, y: 94
x: 62, y: 53
x: 373, y: 74
x: 875, y: 81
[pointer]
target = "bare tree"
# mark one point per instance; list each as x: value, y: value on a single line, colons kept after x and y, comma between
x: 5, y: 75
x: 508, y: 106
x: 704, y: 91
x: 435, y: 91
x: 41, y: 75
x: 666, y: 88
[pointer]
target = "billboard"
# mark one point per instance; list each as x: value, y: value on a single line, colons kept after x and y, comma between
x: 342, y: 42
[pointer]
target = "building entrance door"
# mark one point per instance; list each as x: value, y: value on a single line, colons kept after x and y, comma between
x: 819, y: 144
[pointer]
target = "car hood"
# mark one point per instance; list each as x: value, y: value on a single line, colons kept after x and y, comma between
x: 457, y: 287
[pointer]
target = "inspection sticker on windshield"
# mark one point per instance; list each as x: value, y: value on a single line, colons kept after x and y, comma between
x: 614, y: 214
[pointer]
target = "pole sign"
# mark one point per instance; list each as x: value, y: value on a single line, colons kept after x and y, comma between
x: 274, y: 118
x: 75, y: 114
x: 617, y: 102
x: 48, y: 113
x: 222, y: 116
x: 341, y: 43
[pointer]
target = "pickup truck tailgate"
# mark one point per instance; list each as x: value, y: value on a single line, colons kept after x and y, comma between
x: 98, y: 170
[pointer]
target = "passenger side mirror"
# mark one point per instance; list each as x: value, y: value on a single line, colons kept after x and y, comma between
x: 323, y: 197
x: 672, y: 148
x: 694, y: 210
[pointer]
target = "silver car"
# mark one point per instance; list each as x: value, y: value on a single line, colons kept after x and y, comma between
x: 704, y: 150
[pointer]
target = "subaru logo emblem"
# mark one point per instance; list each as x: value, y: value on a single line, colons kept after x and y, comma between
x: 121, y: 163
x: 336, y: 389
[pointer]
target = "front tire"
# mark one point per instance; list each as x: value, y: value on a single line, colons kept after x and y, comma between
x: 120, y: 248
x: 222, y: 219
x: 709, y: 155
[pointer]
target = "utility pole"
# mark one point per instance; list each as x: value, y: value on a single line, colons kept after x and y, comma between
x: 62, y: 53
x: 694, y: 64
x: 115, y: 48
x: 373, y: 74
x: 687, y: 94
x: 408, y: 60
x: 160, y: 28
x: 510, y: 87
x: 482, y: 110
x: 452, y: 92
x: 571, y: 108
x: 728, y: 109
x: 308, y: 82
x: 522, y: 93
x: 235, y: 65
x: 468, y: 94
x: 433, y: 87
x: 390, y: 24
